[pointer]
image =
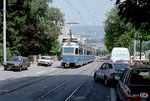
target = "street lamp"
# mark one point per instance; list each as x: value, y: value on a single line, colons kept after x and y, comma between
x: 4, y: 30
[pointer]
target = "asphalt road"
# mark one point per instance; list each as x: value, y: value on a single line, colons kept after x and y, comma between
x: 54, y: 83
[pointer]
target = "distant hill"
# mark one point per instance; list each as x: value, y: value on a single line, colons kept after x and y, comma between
x: 91, y: 32
x: 88, y: 30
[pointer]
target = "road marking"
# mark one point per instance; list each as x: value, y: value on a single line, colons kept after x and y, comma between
x: 53, y: 69
x: 24, y: 75
x: 40, y: 72
x: 112, y: 94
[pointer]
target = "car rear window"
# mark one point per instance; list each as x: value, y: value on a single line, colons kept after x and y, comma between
x: 140, y: 77
x: 119, y: 67
x: 15, y: 59
x: 45, y: 58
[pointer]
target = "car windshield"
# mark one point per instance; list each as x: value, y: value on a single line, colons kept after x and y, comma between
x: 69, y: 50
x: 140, y: 77
x: 121, y: 67
x: 15, y: 59
x: 45, y: 58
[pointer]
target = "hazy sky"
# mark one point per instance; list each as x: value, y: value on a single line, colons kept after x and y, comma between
x: 84, y: 12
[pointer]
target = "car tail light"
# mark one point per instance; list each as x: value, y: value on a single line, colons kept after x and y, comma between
x: 112, y: 75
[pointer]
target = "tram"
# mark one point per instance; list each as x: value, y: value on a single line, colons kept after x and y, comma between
x: 76, y: 54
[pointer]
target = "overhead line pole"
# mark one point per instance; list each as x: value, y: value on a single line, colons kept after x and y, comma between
x: 4, y: 30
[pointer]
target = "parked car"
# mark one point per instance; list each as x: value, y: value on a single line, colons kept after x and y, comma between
x: 134, y: 84
x: 45, y: 60
x: 17, y: 62
x: 110, y: 72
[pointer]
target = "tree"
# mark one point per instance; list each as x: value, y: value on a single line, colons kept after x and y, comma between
x: 54, y: 15
x: 30, y: 26
x: 142, y: 35
x: 117, y: 33
x: 15, y: 20
x: 135, y: 12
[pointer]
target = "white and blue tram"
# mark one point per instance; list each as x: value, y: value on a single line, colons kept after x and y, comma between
x: 75, y: 54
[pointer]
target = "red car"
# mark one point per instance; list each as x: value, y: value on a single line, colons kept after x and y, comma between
x: 134, y: 84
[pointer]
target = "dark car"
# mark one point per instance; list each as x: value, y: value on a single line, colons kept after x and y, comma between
x: 110, y: 71
x: 134, y: 84
x: 17, y: 62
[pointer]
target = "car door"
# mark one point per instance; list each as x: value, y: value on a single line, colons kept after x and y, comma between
x: 99, y: 71
x: 104, y: 70
x: 23, y: 63
x: 28, y: 62
x: 122, y: 83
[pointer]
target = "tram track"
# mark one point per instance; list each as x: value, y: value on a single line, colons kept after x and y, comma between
x: 79, y: 86
x: 7, y: 88
x: 65, y: 82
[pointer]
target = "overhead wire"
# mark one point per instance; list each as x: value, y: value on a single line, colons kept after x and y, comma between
x: 88, y: 10
x: 72, y: 6
x: 79, y: 14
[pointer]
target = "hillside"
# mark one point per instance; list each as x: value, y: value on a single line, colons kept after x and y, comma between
x: 89, y: 31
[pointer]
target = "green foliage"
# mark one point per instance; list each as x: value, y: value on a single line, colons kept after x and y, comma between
x: 145, y: 46
x: 1, y: 52
x: 53, y: 15
x: 117, y: 33
x: 30, y: 27
x: 56, y: 49
x: 135, y: 12
x: 142, y: 34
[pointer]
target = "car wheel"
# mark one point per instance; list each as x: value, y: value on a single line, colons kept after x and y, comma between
x: 5, y: 68
x: 95, y: 78
x: 50, y: 64
x: 20, y: 69
x: 26, y: 68
x: 106, y: 81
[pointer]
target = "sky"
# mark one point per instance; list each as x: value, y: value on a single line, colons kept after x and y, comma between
x: 84, y: 12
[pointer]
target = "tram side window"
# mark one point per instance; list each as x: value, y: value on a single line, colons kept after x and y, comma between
x: 85, y: 52
x: 80, y: 51
x: 88, y: 53
x: 77, y: 51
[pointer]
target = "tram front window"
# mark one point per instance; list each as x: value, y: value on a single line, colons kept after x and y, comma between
x: 69, y: 51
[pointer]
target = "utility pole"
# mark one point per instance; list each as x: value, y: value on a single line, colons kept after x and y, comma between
x: 4, y: 30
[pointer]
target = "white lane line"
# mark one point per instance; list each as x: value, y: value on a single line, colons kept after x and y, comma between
x: 112, y: 94
x: 53, y: 69
x: 24, y: 75
x: 40, y: 72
